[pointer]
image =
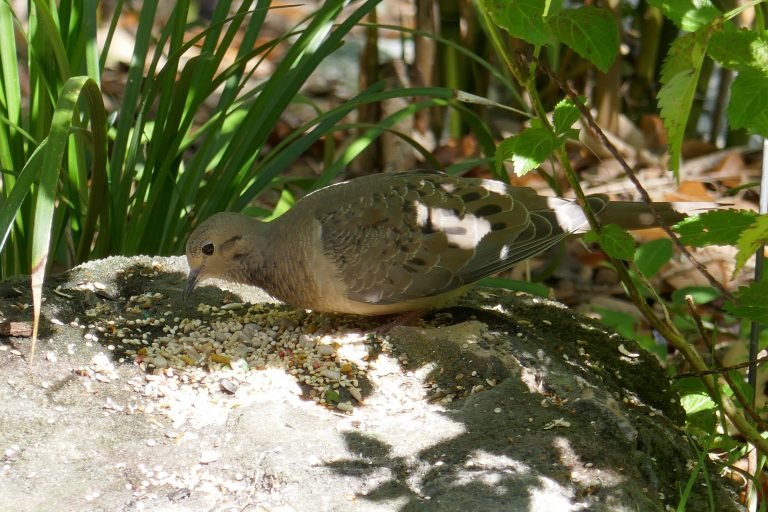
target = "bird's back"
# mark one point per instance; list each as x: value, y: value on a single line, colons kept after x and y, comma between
x: 390, y: 242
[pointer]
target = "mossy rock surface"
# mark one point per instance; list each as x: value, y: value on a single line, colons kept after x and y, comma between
x: 503, y: 402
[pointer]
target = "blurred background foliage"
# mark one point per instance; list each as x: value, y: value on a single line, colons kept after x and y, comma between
x: 224, y: 105
x: 124, y: 123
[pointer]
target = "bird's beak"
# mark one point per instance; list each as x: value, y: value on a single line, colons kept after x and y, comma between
x: 191, y: 283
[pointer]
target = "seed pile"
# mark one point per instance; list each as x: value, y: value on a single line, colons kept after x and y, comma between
x: 329, y: 362
x: 225, y: 348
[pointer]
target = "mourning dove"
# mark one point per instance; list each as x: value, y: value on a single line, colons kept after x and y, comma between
x: 395, y: 242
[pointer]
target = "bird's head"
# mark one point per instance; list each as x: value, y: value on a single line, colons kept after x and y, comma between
x: 220, y: 247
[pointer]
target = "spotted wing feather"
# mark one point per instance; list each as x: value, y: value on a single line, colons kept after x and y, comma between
x: 424, y: 234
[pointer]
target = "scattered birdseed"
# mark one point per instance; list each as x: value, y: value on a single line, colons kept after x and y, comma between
x: 560, y: 422
x: 234, y: 338
x: 209, y: 456
x: 623, y: 350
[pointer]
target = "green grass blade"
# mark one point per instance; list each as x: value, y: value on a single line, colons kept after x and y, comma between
x: 10, y: 94
x: 467, y: 52
x: 26, y: 178
x: 45, y: 200
x: 122, y: 152
x: 307, y: 52
x: 92, y: 65
x: 47, y: 27
x: 110, y: 33
x: 365, y: 139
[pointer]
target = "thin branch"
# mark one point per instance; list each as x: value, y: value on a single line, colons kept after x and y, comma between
x: 598, y: 133
x: 722, y: 369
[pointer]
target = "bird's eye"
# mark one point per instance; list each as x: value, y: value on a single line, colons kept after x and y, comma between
x: 208, y: 248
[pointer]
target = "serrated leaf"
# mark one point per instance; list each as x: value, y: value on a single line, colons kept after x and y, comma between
x: 748, y: 106
x: 751, y: 302
x: 614, y: 241
x: 590, y: 31
x: 690, y: 15
x: 697, y: 402
x: 523, y: 19
x: 651, y: 256
x: 750, y: 241
x: 739, y: 49
x: 528, y: 149
x: 566, y: 113
x: 680, y: 76
x: 685, y: 54
x: 717, y: 227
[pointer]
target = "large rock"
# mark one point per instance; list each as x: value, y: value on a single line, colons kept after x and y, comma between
x: 139, y: 402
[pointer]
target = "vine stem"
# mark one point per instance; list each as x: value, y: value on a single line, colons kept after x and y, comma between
x: 666, y: 328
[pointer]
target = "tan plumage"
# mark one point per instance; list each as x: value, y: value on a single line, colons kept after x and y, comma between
x: 396, y: 242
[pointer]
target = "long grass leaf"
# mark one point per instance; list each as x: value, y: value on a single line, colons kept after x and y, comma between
x: 92, y: 65
x: 118, y: 9
x: 98, y: 192
x: 25, y: 179
x: 49, y: 175
x: 122, y: 153
x: 467, y: 52
x: 10, y: 144
x: 362, y: 141
x: 48, y: 28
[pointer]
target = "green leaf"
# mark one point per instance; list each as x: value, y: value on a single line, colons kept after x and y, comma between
x: 700, y: 411
x: 739, y: 49
x: 528, y: 149
x: 615, y: 241
x: 680, y: 76
x: 699, y: 294
x: 566, y: 113
x: 523, y: 19
x: 591, y: 32
x: 750, y: 241
x: 690, y: 15
x: 651, y: 256
x: 697, y: 402
x: 717, y: 227
x: 751, y: 302
x: 748, y: 107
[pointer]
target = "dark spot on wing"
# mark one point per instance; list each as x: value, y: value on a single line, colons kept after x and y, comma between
x: 498, y: 226
x: 471, y: 196
x: 488, y: 209
x: 417, y: 261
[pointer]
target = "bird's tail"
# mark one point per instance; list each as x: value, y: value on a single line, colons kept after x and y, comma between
x: 627, y: 214
x: 636, y: 215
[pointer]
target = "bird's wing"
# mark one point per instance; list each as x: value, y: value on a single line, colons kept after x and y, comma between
x: 410, y: 235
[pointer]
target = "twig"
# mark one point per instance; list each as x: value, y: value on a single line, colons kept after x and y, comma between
x: 598, y: 132
x: 666, y: 329
x: 20, y: 329
x: 721, y: 369
x: 746, y: 403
